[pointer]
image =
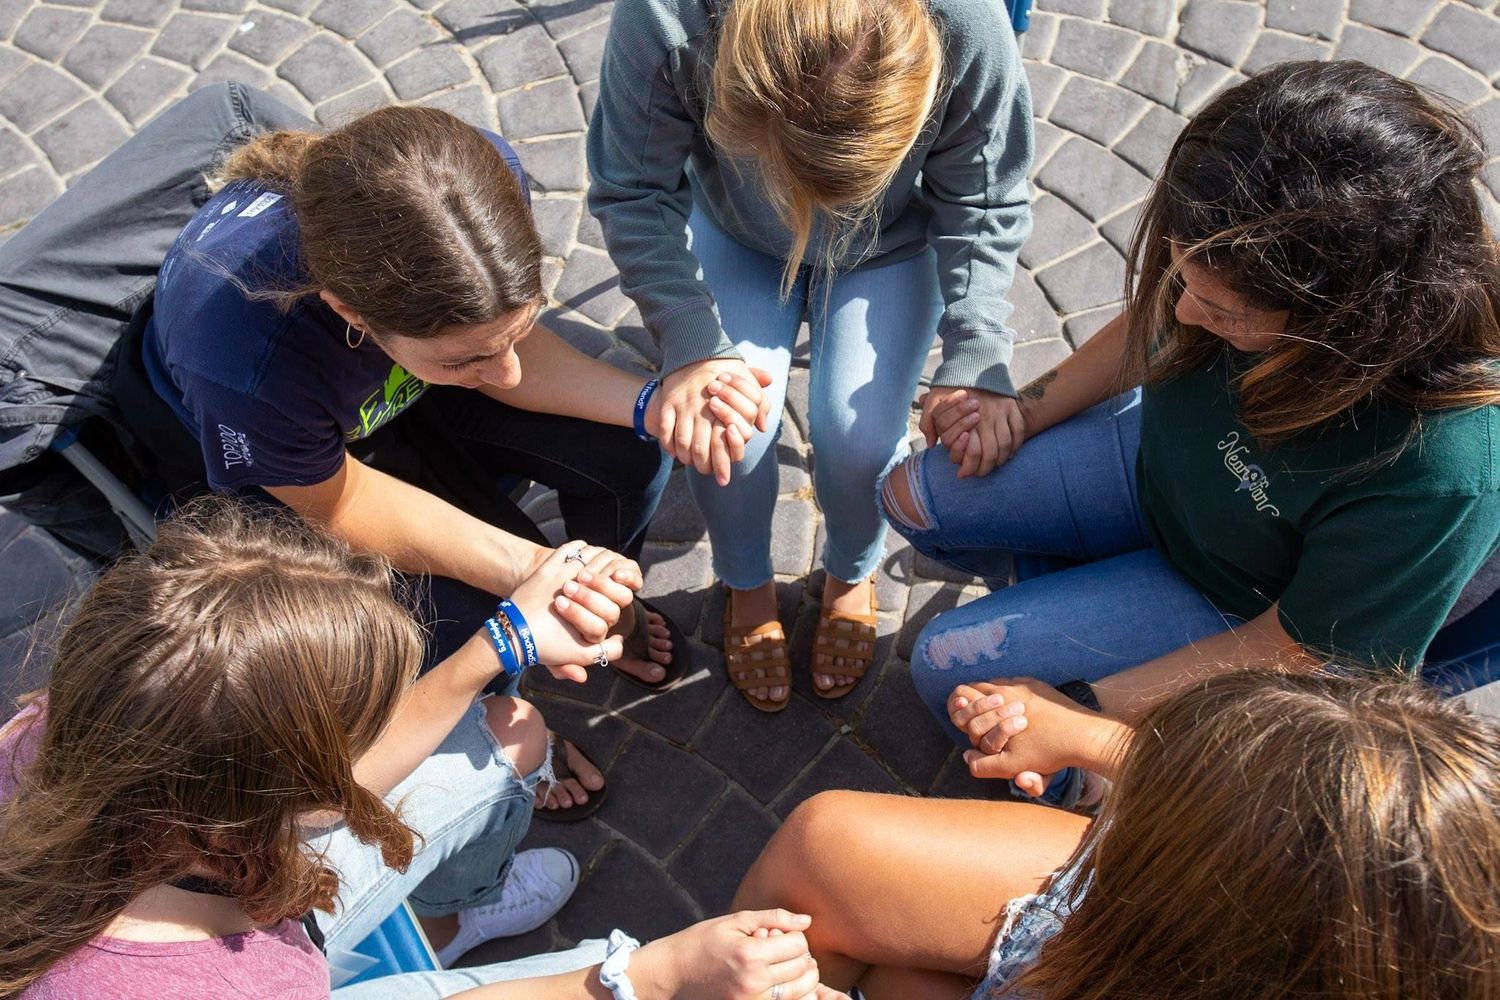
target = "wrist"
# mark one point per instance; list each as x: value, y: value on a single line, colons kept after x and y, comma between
x: 650, y: 972
x: 1103, y: 744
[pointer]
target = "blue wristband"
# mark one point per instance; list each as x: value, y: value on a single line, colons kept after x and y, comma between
x: 523, y: 631
x: 641, y: 402
x: 508, y: 662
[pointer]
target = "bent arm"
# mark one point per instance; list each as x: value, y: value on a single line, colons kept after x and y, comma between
x: 1260, y: 643
x: 558, y: 378
x: 418, y: 532
x: 1089, y: 376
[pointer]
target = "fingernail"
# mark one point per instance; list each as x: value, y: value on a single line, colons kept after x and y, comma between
x: 1021, y: 723
x: 562, y: 603
x: 570, y: 588
x: 960, y: 703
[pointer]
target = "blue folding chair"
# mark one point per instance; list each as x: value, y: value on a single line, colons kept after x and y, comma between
x: 1020, y: 14
x: 397, y: 945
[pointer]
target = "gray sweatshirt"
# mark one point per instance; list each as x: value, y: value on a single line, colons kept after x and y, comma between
x: 962, y: 189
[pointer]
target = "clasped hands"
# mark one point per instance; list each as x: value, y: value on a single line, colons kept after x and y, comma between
x: 1027, y: 731
x: 705, y: 412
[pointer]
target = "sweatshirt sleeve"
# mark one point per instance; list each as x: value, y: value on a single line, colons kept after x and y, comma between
x: 638, y: 147
x: 975, y: 182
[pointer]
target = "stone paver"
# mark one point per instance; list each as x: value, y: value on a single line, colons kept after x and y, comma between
x: 700, y: 779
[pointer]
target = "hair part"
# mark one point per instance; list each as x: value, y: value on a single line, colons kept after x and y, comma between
x: 1281, y: 836
x: 1350, y: 199
x: 827, y: 98
x: 409, y: 215
x: 208, y: 695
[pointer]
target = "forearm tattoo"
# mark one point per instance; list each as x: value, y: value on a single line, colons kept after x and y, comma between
x: 1038, y: 387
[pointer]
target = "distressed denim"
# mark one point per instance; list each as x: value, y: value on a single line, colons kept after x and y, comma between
x: 1068, y: 499
x: 871, y: 331
x: 1030, y: 922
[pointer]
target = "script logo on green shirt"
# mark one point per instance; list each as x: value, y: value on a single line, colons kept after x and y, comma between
x: 1251, y: 477
x: 401, y: 389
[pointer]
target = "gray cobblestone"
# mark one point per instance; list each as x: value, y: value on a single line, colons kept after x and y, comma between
x: 1448, y: 79
x: 1033, y: 317
x: 1401, y: 16
x: 1149, y: 17
x: 191, y: 38
x: 556, y: 220
x: 230, y: 66
x: 589, y: 284
x: 347, y: 107
x: 143, y: 13
x: 86, y: 134
x: 1047, y: 138
x: 1315, y: 18
x: 1223, y: 30
x: 268, y: 36
x: 217, y: 6
x: 1097, y: 50
x: 584, y: 51
x: 350, y: 17
x: 395, y: 36
x: 25, y: 194
x: 14, y: 152
x: 1093, y: 9
x: 48, y: 31
x: 1057, y: 229
x: 1095, y: 110
x: 1158, y: 72
x: 11, y: 64
x: 1383, y: 51
x: 555, y: 164
x: 36, y: 95
x: 1271, y: 48
x: 1145, y: 146
x: 544, y: 109
x: 472, y: 103
x: 1080, y: 328
x: 1046, y: 81
x: 324, y: 68
x: 103, y: 51
x: 1468, y: 36
x: 1038, y: 40
x: 471, y: 21
x: 1092, y: 179
x: 1120, y: 227
x: 429, y: 69
x: 145, y: 87
x: 520, y: 57
x: 1093, y: 277
x: 292, y: 6
x: 565, y: 17
x: 1204, y: 81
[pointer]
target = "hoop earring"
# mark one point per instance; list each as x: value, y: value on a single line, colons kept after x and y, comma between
x: 349, y: 336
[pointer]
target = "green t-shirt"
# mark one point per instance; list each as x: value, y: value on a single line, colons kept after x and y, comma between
x: 1365, y: 557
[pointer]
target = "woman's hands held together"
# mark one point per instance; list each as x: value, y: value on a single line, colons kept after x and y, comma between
x: 742, y: 956
x: 981, y: 429
x: 1027, y: 731
x: 571, y: 598
x: 705, y: 412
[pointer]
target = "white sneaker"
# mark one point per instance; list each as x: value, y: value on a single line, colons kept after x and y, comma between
x: 540, y: 881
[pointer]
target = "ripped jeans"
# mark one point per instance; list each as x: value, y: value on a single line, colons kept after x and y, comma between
x: 1094, y: 598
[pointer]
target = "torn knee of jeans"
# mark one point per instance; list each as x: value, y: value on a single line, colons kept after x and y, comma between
x: 543, y: 778
x: 968, y: 645
x: 901, y: 499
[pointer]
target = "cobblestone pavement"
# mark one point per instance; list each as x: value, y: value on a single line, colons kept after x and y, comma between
x: 698, y: 780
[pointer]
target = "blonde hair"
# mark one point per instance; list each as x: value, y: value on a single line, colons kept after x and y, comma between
x: 827, y: 97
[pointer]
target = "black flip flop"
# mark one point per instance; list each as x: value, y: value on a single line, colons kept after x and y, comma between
x: 638, y: 647
x: 560, y: 770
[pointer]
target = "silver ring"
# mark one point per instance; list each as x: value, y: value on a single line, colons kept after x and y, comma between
x: 776, y: 991
x: 601, y: 658
x: 575, y: 556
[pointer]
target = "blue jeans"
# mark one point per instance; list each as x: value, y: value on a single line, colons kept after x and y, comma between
x: 886, y: 317
x: 1068, y: 500
x: 470, y: 808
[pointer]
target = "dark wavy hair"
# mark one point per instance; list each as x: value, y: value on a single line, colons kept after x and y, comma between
x: 1350, y: 199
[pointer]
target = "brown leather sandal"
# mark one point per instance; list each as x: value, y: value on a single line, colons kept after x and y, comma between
x: 848, y: 637
x: 763, y: 648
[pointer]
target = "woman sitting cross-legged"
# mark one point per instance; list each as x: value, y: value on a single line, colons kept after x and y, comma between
x: 350, y: 325
x: 1313, y: 467
x: 1270, y: 836
x: 234, y: 751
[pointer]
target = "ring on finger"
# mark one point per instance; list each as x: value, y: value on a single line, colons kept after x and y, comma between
x: 575, y: 556
x: 601, y: 657
x: 776, y: 991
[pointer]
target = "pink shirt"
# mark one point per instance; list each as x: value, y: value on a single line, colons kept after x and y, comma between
x: 277, y: 962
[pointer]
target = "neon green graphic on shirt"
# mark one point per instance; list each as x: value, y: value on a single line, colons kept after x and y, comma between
x: 401, y: 389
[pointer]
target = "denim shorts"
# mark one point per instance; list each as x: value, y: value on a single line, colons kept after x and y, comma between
x: 1030, y: 922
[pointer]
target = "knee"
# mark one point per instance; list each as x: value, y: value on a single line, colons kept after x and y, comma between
x: 899, y: 497
x: 785, y: 874
x: 520, y: 730
x: 947, y: 651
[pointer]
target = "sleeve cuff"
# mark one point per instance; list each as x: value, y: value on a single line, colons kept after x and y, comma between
x: 692, y: 333
x: 977, y: 361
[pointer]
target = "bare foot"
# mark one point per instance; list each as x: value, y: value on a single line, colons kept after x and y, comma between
x: 575, y: 790
x: 653, y: 670
x: 752, y: 609
x: 850, y: 598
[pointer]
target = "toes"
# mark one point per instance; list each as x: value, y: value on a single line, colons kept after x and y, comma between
x: 778, y: 693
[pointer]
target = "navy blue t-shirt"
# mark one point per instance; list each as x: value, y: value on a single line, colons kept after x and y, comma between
x: 271, y: 396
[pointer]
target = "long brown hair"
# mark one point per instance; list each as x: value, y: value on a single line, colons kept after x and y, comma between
x: 826, y: 97
x: 208, y: 693
x: 1291, y: 836
x: 1348, y: 198
x: 408, y: 215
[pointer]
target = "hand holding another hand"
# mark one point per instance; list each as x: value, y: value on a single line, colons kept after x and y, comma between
x: 572, y: 597
x: 981, y: 429
x: 1027, y: 731
x: 705, y: 412
x: 742, y: 956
